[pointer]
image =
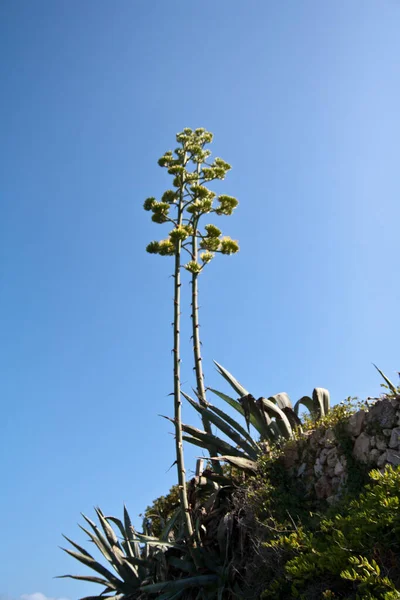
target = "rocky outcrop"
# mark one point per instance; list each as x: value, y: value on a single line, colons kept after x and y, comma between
x: 322, y: 458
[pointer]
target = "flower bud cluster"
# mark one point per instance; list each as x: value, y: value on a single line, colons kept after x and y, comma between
x: 200, y: 207
x: 160, y: 212
x: 229, y: 246
x: 227, y: 205
x: 206, y: 257
x: 180, y: 233
x: 193, y: 267
x: 164, y: 248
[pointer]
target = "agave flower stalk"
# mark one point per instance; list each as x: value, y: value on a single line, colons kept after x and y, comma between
x: 190, y: 200
x: 177, y: 367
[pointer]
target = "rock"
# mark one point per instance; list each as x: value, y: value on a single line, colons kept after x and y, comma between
x: 331, y: 500
x: 322, y: 457
x: 355, y: 423
x: 329, y: 438
x: 395, y: 402
x: 318, y: 468
x: 323, y: 488
x: 314, y: 439
x: 373, y: 441
x: 374, y: 455
x: 332, y: 457
x: 339, y: 468
x: 301, y: 469
x: 395, y: 438
x: 329, y: 471
x: 380, y: 442
x: 362, y: 447
x: 382, y: 413
x: 387, y: 432
x: 393, y: 457
x: 382, y: 459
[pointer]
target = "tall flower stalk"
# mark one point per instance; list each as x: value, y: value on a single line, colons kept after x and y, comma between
x: 183, y: 207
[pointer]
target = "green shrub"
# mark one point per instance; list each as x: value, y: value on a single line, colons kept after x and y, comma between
x: 355, y: 554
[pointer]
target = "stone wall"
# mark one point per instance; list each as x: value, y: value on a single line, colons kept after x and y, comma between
x: 323, y: 459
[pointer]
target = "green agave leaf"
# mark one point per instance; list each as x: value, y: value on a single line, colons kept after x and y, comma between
x: 204, y: 440
x: 179, y: 584
x: 154, y: 541
x: 211, y: 449
x: 89, y: 578
x: 81, y: 550
x: 96, y: 566
x: 101, y: 597
x: 127, y: 547
x: 194, y: 442
x: 282, y: 400
x: 112, y: 551
x: 256, y: 422
x: 389, y: 383
x: 108, y: 530
x: 209, y: 439
x: 170, y: 524
x: 293, y: 418
x: 239, y: 389
x: 98, y: 533
x: 233, y: 403
x: 130, y: 533
x: 261, y: 417
x: 115, y: 557
x: 307, y: 402
x: 224, y: 427
x: 274, y: 431
x: 105, y: 550
x: 235, y: 425
x: 128, y: 523
x: 273, y: 409
x: 241, y: 463
x: 321, y: 401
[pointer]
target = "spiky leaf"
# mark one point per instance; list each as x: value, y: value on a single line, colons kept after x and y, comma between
x: 233, y: 382
x: 389, y: 383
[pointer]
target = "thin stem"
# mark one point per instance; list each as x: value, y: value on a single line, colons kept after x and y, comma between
x: 177, y: 379
x: 201, y: 391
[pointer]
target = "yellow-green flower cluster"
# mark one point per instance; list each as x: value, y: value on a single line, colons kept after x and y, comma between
x: 193, y: 267
x: 164, y: 248
x: 201, y: 192
x: 180, y: 233
x: 227, y: 205
x: 160, y: 210
x: 212, y: 231
x: 153, y: 247
x: 229, y: 246
x: 211, y: 244
x: 206, y: 257
x: 169, y: 196
x: 166, y: 160
x: 200, y: 207
x: 149, y: 203
x: 217, y: 170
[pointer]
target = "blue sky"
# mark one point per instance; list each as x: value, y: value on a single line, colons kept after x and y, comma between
x: 303, y: 100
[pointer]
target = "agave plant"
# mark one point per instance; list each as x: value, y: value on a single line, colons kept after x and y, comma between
x: 273, y: 418
x: 143, y: 566
x: 393, y: 390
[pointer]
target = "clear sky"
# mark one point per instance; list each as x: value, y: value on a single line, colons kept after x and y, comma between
x: 303, y: 100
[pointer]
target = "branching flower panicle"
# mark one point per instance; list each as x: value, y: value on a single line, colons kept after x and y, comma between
x: 183, y: 207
